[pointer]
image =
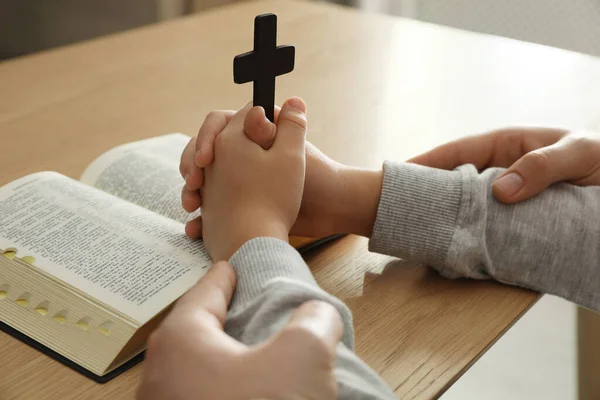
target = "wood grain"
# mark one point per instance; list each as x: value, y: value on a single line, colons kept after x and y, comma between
x: 377, y: 88
x: 588, y: 354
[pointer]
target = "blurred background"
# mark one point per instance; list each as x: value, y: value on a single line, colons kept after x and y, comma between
x: 27, y: 26
x: 537, y: 358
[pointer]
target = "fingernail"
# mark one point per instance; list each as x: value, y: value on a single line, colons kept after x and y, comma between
x: 298, y: 104
x: 187, y: 176
x: 509, y: 184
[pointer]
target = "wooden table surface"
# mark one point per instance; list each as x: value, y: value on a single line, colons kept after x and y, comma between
x: 377, y: 87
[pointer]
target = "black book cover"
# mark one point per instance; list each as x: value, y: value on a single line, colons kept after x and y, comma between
x: 49, y: 352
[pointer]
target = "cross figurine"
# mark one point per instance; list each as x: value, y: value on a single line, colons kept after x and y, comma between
x: 264, y: 63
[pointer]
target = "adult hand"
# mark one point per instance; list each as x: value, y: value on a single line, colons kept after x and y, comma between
x: 535, y: 158
x: 190, y: 357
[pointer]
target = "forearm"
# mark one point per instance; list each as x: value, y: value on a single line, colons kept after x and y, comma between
x: 273, y: 281
x: 450, y: 220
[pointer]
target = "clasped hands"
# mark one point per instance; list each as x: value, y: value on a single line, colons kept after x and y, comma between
x: 247, y: 192
x: 254, y: 178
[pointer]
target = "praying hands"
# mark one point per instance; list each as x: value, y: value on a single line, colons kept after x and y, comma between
x: 283, y: 338
x: 438, y: 209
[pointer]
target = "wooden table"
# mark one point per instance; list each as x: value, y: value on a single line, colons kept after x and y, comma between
x: 377, y: 87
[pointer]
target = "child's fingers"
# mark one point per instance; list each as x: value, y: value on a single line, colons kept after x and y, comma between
x: 276, y: 114
x: 291, y: 124
x: 187, y: 163
x: 193, y: 228
x: 190, y: 199
x: 259, y: 129
x: 213, y: 125
x: 236, y: 123
x: 194, y: 179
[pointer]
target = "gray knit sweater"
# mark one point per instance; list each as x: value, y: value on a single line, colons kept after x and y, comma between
x: 449, y: 220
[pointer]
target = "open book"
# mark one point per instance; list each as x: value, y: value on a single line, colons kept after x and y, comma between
x: 88, y: 268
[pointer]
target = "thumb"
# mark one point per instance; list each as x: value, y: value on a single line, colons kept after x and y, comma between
x: 212, y: 295
x: 538, y: 169
x: 291, y: 124
x: 259, y: 129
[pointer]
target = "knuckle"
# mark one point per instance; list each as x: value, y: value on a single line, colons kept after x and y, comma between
x: 210, y: 127
x: 581, y: 142
x: 539, y: 161
x: 307, y: 338
x: 584, y: 149
x: 294, y: 154
x: 322, y: 306
x: 213, y: 116
x: 297, y: 120
x: 587, y: 146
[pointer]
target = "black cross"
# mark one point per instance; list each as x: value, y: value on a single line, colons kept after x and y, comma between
x: 264, y: 63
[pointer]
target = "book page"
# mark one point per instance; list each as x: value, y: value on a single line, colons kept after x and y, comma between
x: 145, y: 173
x: 120, y: 254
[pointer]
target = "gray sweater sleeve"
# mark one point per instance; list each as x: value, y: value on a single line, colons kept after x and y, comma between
x: 272, y: 282
x: 451, y: 221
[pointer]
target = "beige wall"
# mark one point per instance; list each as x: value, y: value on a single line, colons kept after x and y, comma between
x: 27, y: 26
x: 198, y: 5
x: 31, y: 25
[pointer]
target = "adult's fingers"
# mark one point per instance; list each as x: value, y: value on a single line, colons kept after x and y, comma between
x: 500, y: 148
x: 301, y: 357
x: 259, y: 129
x: 317, y: 320
x: 213, y: 124
x: 477, y: 150
x: 211, y: 295
x: 291, y: 124
x: 570, y: 159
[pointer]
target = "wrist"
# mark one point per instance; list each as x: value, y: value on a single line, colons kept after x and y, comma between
x: 359, y: 200
x: 248, y: 230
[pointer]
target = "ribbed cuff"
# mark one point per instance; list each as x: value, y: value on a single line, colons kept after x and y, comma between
x: 417, y: 212
x: 262, y: 259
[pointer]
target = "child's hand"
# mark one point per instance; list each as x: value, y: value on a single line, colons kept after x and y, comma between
x: 250, y: 192
x: 336, y: 199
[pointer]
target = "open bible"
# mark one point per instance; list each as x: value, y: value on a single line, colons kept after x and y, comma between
x: 87, y: 269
